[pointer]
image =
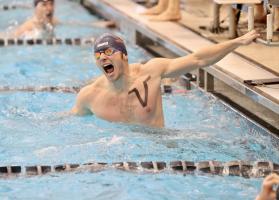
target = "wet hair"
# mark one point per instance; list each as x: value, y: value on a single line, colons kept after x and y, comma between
x: 107, y: 40
x: 38, y: 1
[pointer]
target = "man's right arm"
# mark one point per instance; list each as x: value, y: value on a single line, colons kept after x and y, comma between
x: 80, y: 107
x: 25, y: 27
x: 77, y: 110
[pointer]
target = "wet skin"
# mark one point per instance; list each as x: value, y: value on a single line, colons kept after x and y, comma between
x: 125, y: 93
x: 131, y: 93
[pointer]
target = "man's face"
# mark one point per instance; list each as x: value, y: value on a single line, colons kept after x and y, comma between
x: 110, y: 65
x: 44, y: 11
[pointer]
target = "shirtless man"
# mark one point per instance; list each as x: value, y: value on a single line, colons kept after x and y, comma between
x: 41, y: 25
x: 131, y: 93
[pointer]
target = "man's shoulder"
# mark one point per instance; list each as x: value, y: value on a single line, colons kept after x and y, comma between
x: 93, y: 85
x: 25, y: 27
x: 99, y: 82
x: 29, y: 24
x: 135, y: 67
x: 149, y: 67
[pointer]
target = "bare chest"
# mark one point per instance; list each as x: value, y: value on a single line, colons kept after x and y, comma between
x: 139, y: 104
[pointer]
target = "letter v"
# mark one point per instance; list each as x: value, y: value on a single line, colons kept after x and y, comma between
x: 143, y: 103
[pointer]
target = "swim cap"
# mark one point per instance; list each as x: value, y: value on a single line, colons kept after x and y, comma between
x: 107, y: 40
x: 38, y: 1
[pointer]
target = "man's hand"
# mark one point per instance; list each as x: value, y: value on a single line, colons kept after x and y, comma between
x: 248, y: 37
x: 267, y: 192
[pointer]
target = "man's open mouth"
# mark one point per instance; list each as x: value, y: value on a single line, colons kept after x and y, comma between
x: 49, y: 15
x: 108, y: 68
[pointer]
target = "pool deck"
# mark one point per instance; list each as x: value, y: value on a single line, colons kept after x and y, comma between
x: 256, y: 61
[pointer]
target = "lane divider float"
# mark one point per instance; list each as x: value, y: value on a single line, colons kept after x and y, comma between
x: 14, y: 6
x: 54, y: 41
x: 246, y: 169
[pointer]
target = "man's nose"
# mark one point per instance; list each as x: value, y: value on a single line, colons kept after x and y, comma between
x: 49, y: 7
x: 103, y: 56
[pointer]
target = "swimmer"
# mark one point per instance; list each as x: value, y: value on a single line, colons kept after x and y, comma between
x: 41, y: 25
x: 165, y: 10
x: 43, y: 22
x: 131, y: 93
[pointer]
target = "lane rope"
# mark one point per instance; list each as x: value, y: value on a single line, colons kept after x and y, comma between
x: 246, y: 169
x: 54, y: 41
x: 15, y: 6
x: 166, y: 89
x: 72, y: 89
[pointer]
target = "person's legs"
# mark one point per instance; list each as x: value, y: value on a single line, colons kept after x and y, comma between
x: 259, y: 13
x: 238, y: 12
x: 158, y: 9
x: 172, y: 12
x: 276, y: 19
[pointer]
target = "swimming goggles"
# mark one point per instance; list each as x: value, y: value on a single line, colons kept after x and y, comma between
x: 108, y: 52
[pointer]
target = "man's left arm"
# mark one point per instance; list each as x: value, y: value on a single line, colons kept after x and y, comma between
x: 206, y: 57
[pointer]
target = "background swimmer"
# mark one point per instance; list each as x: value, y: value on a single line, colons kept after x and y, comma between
x: 41, y: 25
x: 43, y: 22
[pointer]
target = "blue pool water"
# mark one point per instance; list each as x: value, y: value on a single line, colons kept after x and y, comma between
x: 56, y: 66
x: 34, y: 130
x: 32, y: 133
x: 127, y: 186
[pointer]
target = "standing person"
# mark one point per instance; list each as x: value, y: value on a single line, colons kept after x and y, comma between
x: 165, y: 10
x: 41, y: 25
x: 131, y: 93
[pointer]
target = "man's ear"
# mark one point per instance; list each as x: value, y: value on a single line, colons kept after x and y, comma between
x: 125, y: 57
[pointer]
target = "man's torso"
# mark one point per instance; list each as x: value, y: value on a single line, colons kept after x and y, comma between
x: 140, y: 103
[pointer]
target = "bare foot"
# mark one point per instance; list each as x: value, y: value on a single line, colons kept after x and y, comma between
x: 158, y: 9
x: 167, y: 16
x: 153, y: 11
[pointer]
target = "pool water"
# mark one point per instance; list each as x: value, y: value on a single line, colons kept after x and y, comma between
x: 56, y: 66
x: 35, y: 129
x: 127, y: 186
x: 33, y: 132
x: 35, y: 123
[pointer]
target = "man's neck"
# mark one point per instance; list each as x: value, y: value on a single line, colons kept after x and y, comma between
x: 123, y: 83
x: 41, y: 23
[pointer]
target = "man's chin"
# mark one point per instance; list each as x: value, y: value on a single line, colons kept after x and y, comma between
x: 48, y: 19
x: 112, y: 77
